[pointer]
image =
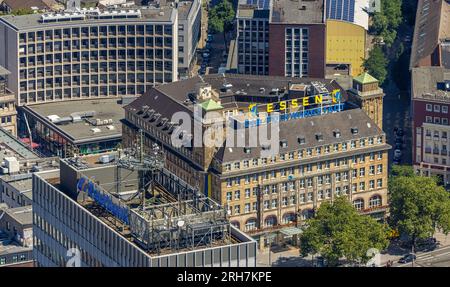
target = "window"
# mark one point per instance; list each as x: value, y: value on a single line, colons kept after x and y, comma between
x: 247, y: 208
x: 247, y: 192
x: 362, y: 186
x: 371, y: 184
x: 358, y: 204
x: 237, y: 195
x: 429, y: 119
x: 445, y: 109
x: 379, y: 183
x: 379, y: 168
x: 429, y: 108
x: 375, y: 201
x: 437, y: 108
x: 237, y: 209
x: 362, y: 172
x: 229, y: 196
x: 372, y: 170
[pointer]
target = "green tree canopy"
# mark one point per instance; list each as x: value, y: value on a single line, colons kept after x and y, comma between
x: 339, y: 231
x: 418, y: 205
x: 221, y: 17
x: 386, y: 21
x: 376, y: 64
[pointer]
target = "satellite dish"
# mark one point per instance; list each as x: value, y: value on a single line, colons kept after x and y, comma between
x: 180, y: 223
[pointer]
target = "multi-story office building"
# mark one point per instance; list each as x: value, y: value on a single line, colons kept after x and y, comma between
x: 430, y: 128
x: 189, y: 32
x: 353, y: 11
x: 69, y: 217
x: 325, y: 150
x: 297, y: 39
x: 89, y: 54
x: 8, y: 113
x: 253, y: 37
x: 281, y: 38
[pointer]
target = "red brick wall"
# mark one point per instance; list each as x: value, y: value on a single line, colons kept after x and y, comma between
x: 317, y: 48
x: 276, y: 49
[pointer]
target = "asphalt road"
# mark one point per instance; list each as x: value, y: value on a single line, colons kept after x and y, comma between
x: 437, y: 258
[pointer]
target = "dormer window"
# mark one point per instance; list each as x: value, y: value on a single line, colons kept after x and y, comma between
x: 283, y: 143
x: 301, y: 140
x: 247, y: 150
x: 354, y: 131
x: 337, y: 134
x: 319, y: 137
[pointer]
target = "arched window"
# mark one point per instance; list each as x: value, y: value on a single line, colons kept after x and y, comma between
x: 358, y: 204
x: 250, y: 224
x: 307, y: 213
x: 375, y: 201
x: 289, y: 218
x: 270, y: 221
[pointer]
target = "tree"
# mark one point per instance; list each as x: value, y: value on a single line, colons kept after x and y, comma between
x: 376, y: 64
x: 221, y: 17
x: 386, y: 21
x: 339, y: 231
x: 418, y: 205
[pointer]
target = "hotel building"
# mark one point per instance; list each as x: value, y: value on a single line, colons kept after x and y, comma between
x: 325, y: 151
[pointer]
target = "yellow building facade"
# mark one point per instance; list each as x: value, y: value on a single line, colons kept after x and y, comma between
x: 346, y: 44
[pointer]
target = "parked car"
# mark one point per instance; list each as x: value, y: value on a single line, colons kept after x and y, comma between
x: 209, y: 38
x: 397, y: 153
x: 407, y: 258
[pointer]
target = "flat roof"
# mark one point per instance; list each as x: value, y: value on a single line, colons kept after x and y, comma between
x: 23, y: 214
x: 7, y: 246
x: 33, y: 21
x: 81, y: 132
x: 427, y: 83
x: 298, y: 12
x: 12, y: 146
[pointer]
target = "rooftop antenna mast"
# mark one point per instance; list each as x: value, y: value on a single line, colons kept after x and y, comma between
x: 147, y: 165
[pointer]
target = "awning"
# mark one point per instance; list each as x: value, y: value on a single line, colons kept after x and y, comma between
x: 291, y: 231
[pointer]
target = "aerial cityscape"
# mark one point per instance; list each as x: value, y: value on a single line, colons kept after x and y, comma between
x: 224, y: 133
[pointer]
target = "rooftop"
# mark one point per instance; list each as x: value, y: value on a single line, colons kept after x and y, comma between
x: 431, y: 28
x: 100, y: 118
x: 22, y: 4
x: 33, y: 21
x: 428, y: 83
x: 309, y: 128
x: 298, y: 12
x: 23, y: 215
x: 182, y: 203
x: 365, y: 78
x: 8, y: 246
x: 12, y: 146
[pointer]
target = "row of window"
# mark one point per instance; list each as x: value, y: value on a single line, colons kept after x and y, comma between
x: 359, y: 204
x: 321, y: 194
x: 305, y: 153
x: 94, y: 31
x: 437, y: 108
